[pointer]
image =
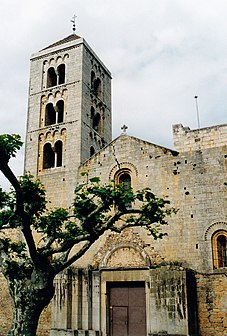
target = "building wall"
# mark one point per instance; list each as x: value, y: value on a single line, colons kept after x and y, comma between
x: 167, y: 311
x: 192, y: 181
x: 212, y: 304
x: 186, y: 139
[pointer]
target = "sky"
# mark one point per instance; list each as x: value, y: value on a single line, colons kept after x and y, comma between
x: 161, y: 53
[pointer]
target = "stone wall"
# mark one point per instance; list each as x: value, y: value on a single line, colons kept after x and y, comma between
x: 193, y: 181
x: 186, y: 139
x: 170, y: 305
x: 212, y: 304
x: 173, y: 302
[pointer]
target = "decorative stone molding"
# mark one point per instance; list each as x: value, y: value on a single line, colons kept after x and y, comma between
x: 126, y: 255
x: 214, y: 227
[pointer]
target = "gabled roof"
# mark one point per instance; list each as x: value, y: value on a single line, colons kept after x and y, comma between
x: 67, y: 39
x: 123, y: 137
x: 126, y: 136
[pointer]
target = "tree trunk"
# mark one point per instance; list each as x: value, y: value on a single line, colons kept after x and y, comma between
x: 30, y: 296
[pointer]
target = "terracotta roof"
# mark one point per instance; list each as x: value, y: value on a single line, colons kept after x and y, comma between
x: 69, y: 38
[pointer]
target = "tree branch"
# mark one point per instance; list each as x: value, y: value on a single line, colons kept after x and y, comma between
x: 64, y: 247
x: 58, y: 268
x: 20, y: 209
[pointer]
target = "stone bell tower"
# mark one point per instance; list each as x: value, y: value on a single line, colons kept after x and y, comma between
x: 69, y: 114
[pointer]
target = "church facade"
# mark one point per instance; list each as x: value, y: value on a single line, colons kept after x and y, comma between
x: 128, y: 284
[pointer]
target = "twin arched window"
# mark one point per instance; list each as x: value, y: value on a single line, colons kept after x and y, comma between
x: 56, y: 77
x: 52, y: 157
x: 219, y: 247
x: 54, y: 115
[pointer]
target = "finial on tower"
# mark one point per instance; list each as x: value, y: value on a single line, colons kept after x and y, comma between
x: 124, y: 129
x: 74, y: 23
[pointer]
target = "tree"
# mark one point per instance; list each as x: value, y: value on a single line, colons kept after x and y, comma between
x: 30, y: 267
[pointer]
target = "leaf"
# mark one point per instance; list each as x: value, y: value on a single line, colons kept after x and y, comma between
x: 95, y: 180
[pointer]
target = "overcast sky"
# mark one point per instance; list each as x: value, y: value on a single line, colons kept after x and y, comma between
x: 161, y: 53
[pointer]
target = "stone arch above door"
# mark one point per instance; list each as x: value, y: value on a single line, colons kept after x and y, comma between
x: 127, y: 255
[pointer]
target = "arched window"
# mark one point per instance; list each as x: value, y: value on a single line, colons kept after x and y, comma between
x: 52, y: 158
x: 48, y: 156
x: 58, y: 153
x: 97, y: 87
x: 61, y: 74
x: 60, y: 111
x: 92, y: 80
x: 219, y: 247
x: 51, y: 77
x: 50, y: 115
x: 123, y: 177
x: 97, y: 123
x: 92, y: 151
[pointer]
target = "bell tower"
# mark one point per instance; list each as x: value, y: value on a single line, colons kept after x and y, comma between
x: 69, y: 114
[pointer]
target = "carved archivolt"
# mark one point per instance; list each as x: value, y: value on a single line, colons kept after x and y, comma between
x: 126, y: 255
x: 121, y: 166
x: 213, y: 228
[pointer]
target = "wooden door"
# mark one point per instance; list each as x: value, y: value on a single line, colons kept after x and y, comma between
x: 127, y: 307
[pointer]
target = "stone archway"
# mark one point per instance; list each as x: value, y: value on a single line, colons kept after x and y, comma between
x: 125, y: 255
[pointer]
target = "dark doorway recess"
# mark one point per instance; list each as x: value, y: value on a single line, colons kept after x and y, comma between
x: 127, y: 308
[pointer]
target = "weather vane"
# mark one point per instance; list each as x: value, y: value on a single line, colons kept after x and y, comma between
x: 74, y: 23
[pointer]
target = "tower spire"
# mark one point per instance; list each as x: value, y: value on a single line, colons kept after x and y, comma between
x: 74, y: 23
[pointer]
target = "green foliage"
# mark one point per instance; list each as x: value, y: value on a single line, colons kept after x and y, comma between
x: 96, y: 208
x: 34, y: 196
x: 52, y: 224
x: 94, y: 203
x: 9, y: 144
x: 4, y: 198
x: 17, y: 248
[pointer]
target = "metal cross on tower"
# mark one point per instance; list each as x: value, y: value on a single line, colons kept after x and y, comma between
x: 124, y: 129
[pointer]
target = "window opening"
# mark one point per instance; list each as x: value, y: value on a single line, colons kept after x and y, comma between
x: 61, y: 74
x: 48, y: 156
x: 219, y: 246
x: 51, y: 77
x: 92, y: 151
x: 97, y: 87
x: 97, y: 123
x: 92, y: 80
x: 58, y: 153
x: 125, y: 178
x: 92, y: 112
x: 50, y: 115
x: 60, y: 111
